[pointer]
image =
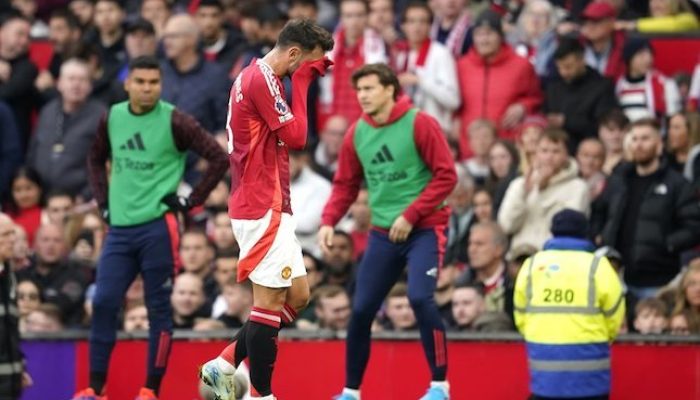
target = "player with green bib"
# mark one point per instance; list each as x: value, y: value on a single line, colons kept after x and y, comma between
x: 146, y: 141
x: 403, y: 156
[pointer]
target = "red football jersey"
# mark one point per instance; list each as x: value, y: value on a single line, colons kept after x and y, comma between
x: 259, y: 159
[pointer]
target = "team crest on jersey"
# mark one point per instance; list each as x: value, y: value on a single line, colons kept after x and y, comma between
x: 286, y: 272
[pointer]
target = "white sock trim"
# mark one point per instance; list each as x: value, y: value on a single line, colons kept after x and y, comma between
x: 352, y: 392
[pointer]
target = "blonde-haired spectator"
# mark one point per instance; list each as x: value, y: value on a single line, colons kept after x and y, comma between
x: 534, y: 36
x: 688, y: 296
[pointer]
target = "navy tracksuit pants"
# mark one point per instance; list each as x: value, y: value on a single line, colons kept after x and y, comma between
x: 149, y: 249
x: 380, y: 268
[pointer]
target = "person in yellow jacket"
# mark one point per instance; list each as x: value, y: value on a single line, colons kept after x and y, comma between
x: 569, y: 306
x: 666, y: 16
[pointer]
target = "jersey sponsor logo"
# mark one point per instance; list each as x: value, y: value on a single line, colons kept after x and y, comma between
x: 134, y: 143
x: 125, y: 163
x: 377, y: 177
x: 383, y: 156
x: 286, y: 272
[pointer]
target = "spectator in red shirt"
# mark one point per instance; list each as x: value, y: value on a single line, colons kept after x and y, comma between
x: 356, y: 44
x: 603, y: 45
x: 495, y: 83
x: 25, y: 204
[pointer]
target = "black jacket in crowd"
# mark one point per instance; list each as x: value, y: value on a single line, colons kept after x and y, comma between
x: 11, y: 358
x: 583, y: 102
x: 61, y: 143
x: 18, y: 93
x: 64, y: 286
x: 233, y: 49
x: 668, y: 223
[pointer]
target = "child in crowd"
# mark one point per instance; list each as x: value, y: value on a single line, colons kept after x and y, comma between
x: 651, y: 316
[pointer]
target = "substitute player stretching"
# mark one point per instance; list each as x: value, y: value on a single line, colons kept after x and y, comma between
x: 403, y: 157
x: 146, y: 140
x: 261, y: 128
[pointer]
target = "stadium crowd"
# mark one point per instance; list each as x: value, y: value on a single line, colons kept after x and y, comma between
x: 546, y: 105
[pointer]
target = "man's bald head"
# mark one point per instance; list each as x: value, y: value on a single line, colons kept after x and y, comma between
x: 180, y: 37
x: 50, y: 244
x: 7, y: 238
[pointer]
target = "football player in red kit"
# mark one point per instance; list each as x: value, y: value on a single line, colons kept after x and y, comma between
x: 261, y: 127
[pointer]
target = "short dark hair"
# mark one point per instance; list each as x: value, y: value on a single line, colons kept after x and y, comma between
x: 364, y: 3
x: 555, y: 135
x: 646, y: 122
x: 319, y: 264
x: 614, y: 117
x: 345, y: 235
x: 304, y: 3
x: 306, y: 34
x: 478, y: 287
x: 115, y: 2
x: 268, y: 14
x: 386, y: 76
x: 88, y: 52
x: 417, y: 4
x: 59, y: 193
x: 140, y: 25
x: 11, y: 15
x: 65, y: 14
x: 567, y: 47
x: 144, y: 62
x: 211, y: 3
x: 229, y: 252
x: 232, y: 282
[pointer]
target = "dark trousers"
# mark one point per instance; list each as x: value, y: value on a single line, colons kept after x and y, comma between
x: 381, y: 266
x: 148, y: 249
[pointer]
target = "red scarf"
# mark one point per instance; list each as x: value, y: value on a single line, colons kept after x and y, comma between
x: 402, y: 55
x: 458, y: 32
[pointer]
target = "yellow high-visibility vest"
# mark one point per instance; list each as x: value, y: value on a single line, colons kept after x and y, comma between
x: 568, y: 297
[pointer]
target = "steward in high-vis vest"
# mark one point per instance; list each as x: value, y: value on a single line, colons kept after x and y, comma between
x: 402, y: 155
x: 569, y: 307
x: 145, y: 140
